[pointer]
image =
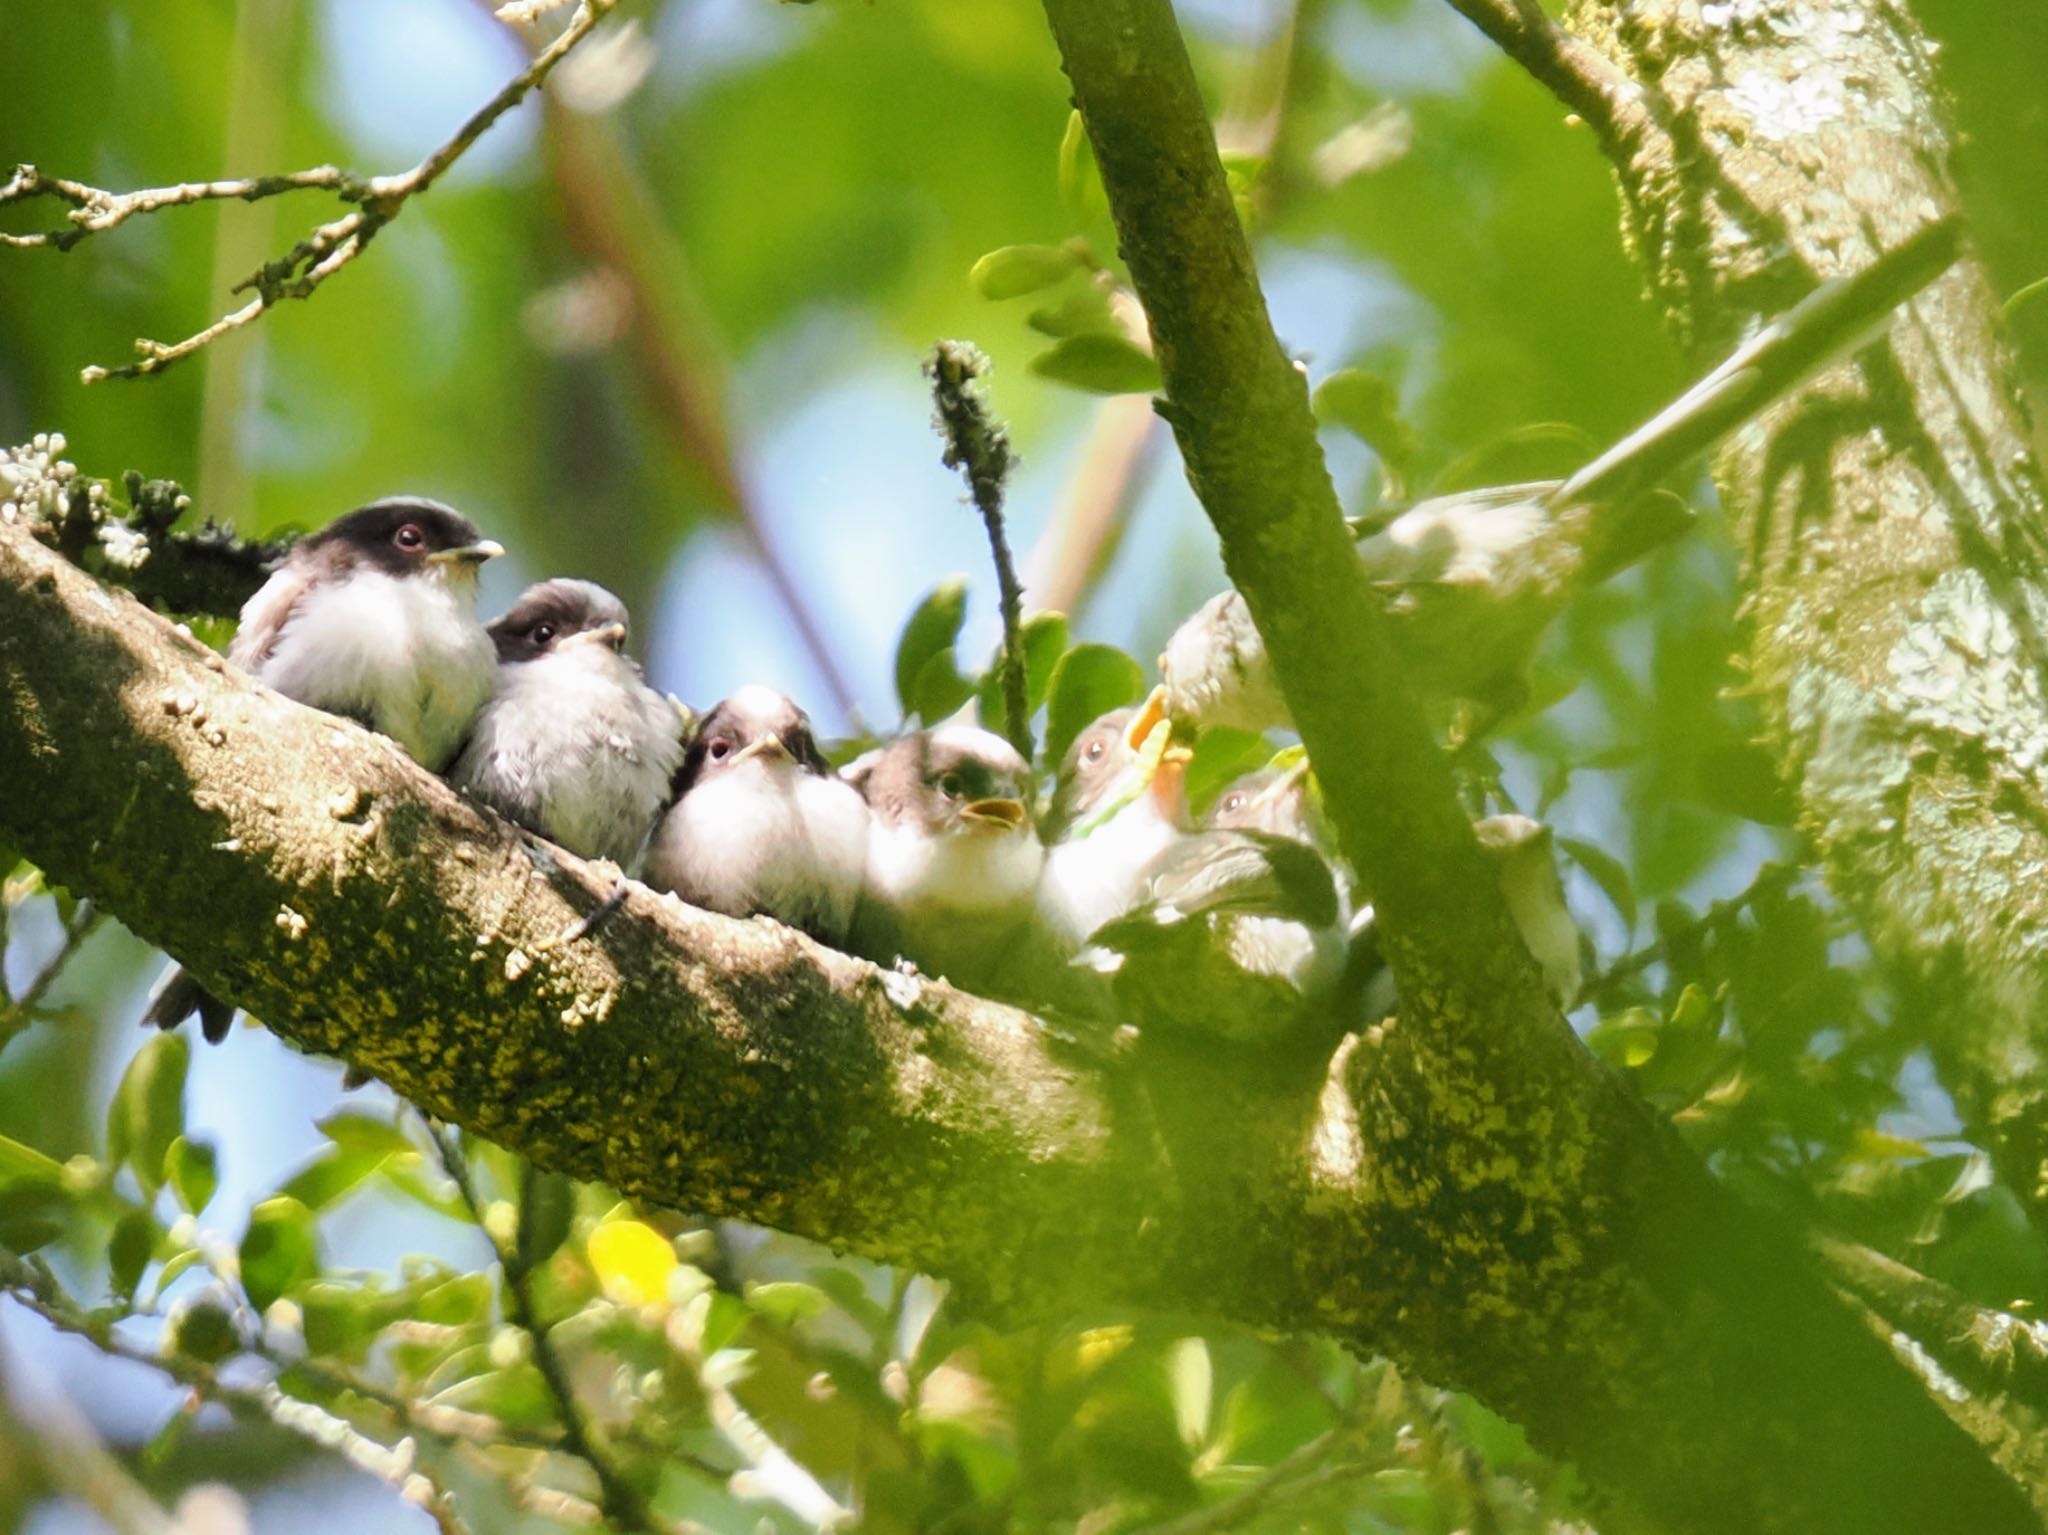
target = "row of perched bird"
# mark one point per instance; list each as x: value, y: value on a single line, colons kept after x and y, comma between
x: 927, y: 850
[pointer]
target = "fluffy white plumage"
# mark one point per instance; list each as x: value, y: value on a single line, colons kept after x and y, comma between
x: 1091, y: 880
x: 408, y: 656
x: 576, y: 745
x: 925, y: 877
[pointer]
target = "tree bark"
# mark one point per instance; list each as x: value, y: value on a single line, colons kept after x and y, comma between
x: 1891, y: 514
x: 1464, y: 1188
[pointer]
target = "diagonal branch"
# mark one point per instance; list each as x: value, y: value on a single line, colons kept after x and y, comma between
x: 331, y: 246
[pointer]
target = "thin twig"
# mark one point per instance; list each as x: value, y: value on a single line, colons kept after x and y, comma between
x: 623, y: 1506
x: 329, y: 248
x: 979, y: 447
x: 31, y: 1286
x: 1577, y: 76
x: 1771, y: 879
x: 20, y: 1012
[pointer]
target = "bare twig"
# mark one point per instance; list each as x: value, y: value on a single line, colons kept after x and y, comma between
x: 1772, y: 879
x: 32, y: 1287
x: 623, y: 1506
x: 1587, y: 85
x: 17, y: 1013
x: 1311, y: 1466
x: 308, y: 264
x: 979, y: 447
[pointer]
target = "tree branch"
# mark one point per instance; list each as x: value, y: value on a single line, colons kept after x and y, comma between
x: 1475, y: 1026
x: 330, y: 247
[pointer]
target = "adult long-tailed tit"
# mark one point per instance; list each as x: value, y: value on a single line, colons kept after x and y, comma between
x: 762, y: 826
x: 373, y: 617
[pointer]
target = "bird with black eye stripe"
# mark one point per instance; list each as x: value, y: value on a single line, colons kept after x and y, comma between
x: 372, y: 617
x: 761, y: 826
x: 574, y: 744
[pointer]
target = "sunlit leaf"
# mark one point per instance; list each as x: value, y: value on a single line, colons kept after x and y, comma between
x: 787, y: 1301
x: 632, y: 1262
x: 1016, y: 270
x: 1192, y: 1381
x: 25, y: 1164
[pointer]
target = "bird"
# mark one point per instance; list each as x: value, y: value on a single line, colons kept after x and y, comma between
x: 953, y: 858
x: 761, y: 826
x: 1477, y: 575
x: 374, y: 618
x: 573, y: 744
x: 1118, y: 801
x: 1240, y: 928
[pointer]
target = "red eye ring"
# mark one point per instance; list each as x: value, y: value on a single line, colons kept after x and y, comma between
x: 1093, y: 751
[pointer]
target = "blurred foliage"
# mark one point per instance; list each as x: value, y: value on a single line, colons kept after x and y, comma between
x: 591, y: 337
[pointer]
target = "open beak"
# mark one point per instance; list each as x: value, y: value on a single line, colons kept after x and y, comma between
x: 612, y: 636
x: 1006, y: 813
x: 766, y: 746
x: 468, y: 554
x: 1151, y: 714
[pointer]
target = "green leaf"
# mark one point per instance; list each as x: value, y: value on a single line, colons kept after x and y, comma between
x: 787, y: 1301
x: 1080, y: 178
x: 333, y: 1173
x: 1090, y: 680
x: 163, y: 1444
x: 932, y: 631
x: 1044, y: 638
x: 204, y: 1331
x: 364, y: 1132
x: 1016, y: 270
x: 1099, y: 363
x: 148, y: 1111
x: 1369, y: 408
x: 1192, y: 1380
x: 193, y: 1171
x: 128, y: 1252
x: 25, y: 1164
x: 1084, y: 312
x: 279, y: 1249
x: 517, y: 1397
x: 940, y: 689
x: 547, y: 1206
x: 175, y: 1265
x: 1608, y: 873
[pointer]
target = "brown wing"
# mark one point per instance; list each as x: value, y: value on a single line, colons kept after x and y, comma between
x: 264, y: 616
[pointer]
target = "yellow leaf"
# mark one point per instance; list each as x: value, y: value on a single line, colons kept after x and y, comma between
x: 632, y: 1262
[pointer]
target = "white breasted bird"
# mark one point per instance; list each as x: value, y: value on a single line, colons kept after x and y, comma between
x: 953, y: 860
x: 762, y: 826
x: 373, y: 617
x: 1118, y: 802
x: 574, y: 744
x: 1479, y: 574
x: 1524, y: 861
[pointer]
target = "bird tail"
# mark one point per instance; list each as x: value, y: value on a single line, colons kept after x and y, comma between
x: 177, y: 997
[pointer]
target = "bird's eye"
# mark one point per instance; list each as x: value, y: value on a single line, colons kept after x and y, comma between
x: 541, y: 633
x: 1232, y: 803
x: 720, y: 749
x: 1094, y: 750
x: 411, y: 536
x: 951, y: 784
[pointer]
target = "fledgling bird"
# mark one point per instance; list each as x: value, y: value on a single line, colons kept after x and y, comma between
x: 1241, y: 927
x: 574, y: 744
x: 1476, y: 576
x: 1118, y: 801
x: 953, y: 860
x: 372, y: 617
x: 761, y: 826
